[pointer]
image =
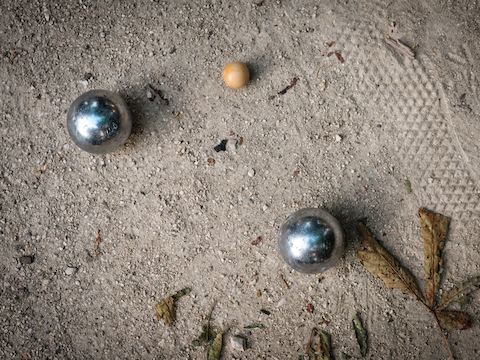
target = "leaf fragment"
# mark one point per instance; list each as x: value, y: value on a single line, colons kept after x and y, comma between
x: 459, y: 292
x: 208, y: 333
x: 319, y: 346
x: 434, y: 229
x: 166, y: 309
x: 376, y: 259
x: 181, y: 293
x: 360, y: 334
x: 408, y: 186
x: 215, y: 349
x: 453, y: 320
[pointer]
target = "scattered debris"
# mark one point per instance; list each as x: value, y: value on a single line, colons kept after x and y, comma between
x: 211, y: 161
x: 42, y: 169
x: 234, y: 141
x: 251, y: 172
x: 259, y: 293
x: 257, y: 241
x: 265, y: 311
x: 70, y: 270
x: 222, y: 146
x: 166, y: 309
x: 288, y: 87
x: 284, y: 281
x: 434, y: 230
x: 361, y: 334
x: 255, y: 326
x: 98, y: 241
x: 215, y: 349
x: 399, y: 46
x: 319, y: 346
x: 26, y: 259
x: 337, y: 54
x: 153, y: 93
x: 408, y: 186
x: 88, y: 76
x: 310, y: 308
x: 238, y: 342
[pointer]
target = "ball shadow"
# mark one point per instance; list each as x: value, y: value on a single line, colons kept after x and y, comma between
x: 150, y: 109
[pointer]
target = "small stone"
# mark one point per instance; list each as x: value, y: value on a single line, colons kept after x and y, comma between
x: 232, y: 145
x: 150, y: 94
x: 251, y: 173
x: 26, y: 259
x: 70, y: 270
x: 88, y: 76
x: 338, y: 138
x: 238, y: 343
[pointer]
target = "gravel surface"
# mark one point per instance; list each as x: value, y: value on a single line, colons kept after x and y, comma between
x: 361, y: 119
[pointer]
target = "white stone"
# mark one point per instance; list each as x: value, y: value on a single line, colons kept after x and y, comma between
x: 238, y: 343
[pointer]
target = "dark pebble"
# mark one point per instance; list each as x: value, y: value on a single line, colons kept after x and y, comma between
x: 26, y: 259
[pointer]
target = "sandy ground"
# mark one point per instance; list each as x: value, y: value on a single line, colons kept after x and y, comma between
x: 345, y: 138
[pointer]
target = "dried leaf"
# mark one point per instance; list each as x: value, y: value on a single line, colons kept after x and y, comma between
x: 361, y: 334
x: 180, y: 293
x: 381, y: 263
x: 453, y: 320
x: 458, y: 293
x: 208, y: 333
x: 166, y: 309
x: 319, y: 346
x: 434, y: 229
x: 215, y: 350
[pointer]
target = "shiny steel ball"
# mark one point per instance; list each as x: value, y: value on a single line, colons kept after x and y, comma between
x: 311, y: 241
x: 99, y: 121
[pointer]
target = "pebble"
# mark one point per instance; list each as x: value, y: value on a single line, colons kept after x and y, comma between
x: 26, y: 259
x: 338, y: 138
x: 238, y: 343
x: 251, y: 172
x: 70, y: 270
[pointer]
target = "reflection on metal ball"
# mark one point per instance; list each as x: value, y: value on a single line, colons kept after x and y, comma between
x: 99, y: 121
x: 311, y: 241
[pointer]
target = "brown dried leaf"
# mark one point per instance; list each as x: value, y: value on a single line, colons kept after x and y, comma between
x: 215, y: 350
x: 458, y: 293
x: 434, y: 229
x: 381, y: 263
x: 166, y: 310
x: 453, y: 320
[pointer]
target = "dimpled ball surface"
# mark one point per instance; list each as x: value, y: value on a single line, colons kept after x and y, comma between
x: 311, y: 241
x: 99, y: 121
